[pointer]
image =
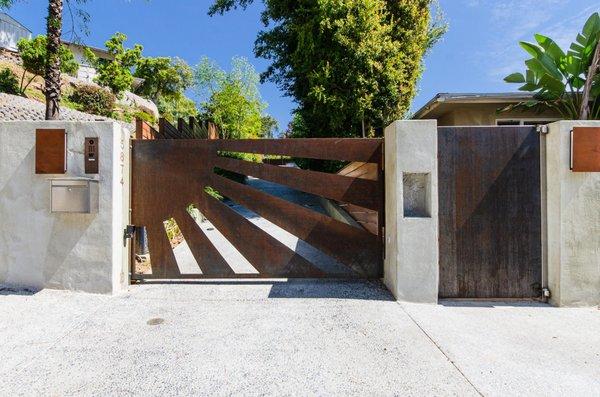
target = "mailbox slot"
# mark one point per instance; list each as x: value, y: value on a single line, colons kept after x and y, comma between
x: 74, y: 195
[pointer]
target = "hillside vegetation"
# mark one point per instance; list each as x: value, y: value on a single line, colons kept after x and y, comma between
x: 35, y: 91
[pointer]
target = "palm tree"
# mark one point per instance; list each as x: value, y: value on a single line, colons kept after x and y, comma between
x: 52, y: 78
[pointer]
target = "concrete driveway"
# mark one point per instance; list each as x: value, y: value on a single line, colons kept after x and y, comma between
x: 289, y: 338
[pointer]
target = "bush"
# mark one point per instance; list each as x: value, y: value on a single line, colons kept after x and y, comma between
x: 9, y: 83
x: 94, y: 100
x: 148, y: 118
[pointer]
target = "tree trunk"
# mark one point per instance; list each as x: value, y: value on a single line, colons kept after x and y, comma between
x: 585, y: 103
x: 52, y: 78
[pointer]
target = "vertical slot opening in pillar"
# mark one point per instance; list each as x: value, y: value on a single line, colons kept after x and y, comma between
x: 416, y: 195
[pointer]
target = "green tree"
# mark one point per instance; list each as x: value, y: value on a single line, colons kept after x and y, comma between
x: 163, y: 77
x: 236, y: 115
x: 176, y: 106
x: 116, y: 73
x: 351, y: 65
x: 231, y: 99
x: 34, y: 55
x: 568, y: 82
x: 270, y: 127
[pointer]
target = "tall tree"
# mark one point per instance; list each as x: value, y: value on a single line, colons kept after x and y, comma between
x: 53, y: 47
x: 231, y: 99
x: 116, y: 73
x: 34, y: 56
x: 52, y: 78
x: 163, y: 77
x: 351, y: 65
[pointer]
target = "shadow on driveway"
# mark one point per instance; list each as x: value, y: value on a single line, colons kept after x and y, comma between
x: 301, y: 288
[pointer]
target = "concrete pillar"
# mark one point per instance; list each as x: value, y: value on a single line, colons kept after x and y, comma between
x: 76, y: 251
x: 572, y: 227
x: 411, y: 268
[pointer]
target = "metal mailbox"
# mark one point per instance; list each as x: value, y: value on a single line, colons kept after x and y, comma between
x: 75, y: 195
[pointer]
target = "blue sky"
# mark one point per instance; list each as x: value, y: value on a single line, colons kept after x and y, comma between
x: 477, y: 52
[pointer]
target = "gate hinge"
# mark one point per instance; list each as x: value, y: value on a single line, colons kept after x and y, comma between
x: 543, y: 129
x: 383, y: 241
x: 546, y: 294
x: 128, y: 234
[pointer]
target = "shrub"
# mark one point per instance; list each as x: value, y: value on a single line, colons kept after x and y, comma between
x: 94, y: 100
x: 9, y: 83
x: 148, y: 118
x: 34, y: 56
x: 115, y: 73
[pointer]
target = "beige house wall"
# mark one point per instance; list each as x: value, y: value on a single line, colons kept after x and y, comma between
x: 452, y: 114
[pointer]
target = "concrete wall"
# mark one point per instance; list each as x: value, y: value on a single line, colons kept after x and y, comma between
x: 572, y: 227
x: 411, y: 268
x: 41, y: 249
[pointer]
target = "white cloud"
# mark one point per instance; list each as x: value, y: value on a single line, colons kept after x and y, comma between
x: 512, y: 21
x: 473, y: 3
x: 565, y: 31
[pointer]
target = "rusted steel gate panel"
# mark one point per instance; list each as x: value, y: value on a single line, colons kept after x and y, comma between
x: 168, y: 175
x: 489, y: 212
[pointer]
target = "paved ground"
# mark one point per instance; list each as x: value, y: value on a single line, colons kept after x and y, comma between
x: 289, y: 338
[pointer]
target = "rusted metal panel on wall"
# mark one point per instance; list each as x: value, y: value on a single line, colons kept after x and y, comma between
x: 585, y: 149
x: 489, y: 212
x: 170, y: 174
x: 50, y: 151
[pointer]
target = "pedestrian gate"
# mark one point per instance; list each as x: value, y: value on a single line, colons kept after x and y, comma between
x: 489, y: 212
x: 169, y: 175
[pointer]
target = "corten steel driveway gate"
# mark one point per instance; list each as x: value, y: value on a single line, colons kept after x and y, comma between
x: 489, y: 212
x: 168, y: 175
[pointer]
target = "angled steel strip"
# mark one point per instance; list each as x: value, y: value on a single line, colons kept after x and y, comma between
x: 209, y: 259
x: 162, y: 258
x: 270, y: 257
x: 352, y: 246
x: 362, y: 192
x: 342, y: 149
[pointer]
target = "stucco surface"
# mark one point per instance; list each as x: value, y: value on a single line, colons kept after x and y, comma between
x: 43, y: 249
x: 573, y: 223
x: 411, y: 264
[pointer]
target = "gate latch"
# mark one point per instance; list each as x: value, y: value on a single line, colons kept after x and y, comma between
x: 128, y: 234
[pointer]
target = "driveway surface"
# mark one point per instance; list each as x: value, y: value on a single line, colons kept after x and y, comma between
x: 289, y: 338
